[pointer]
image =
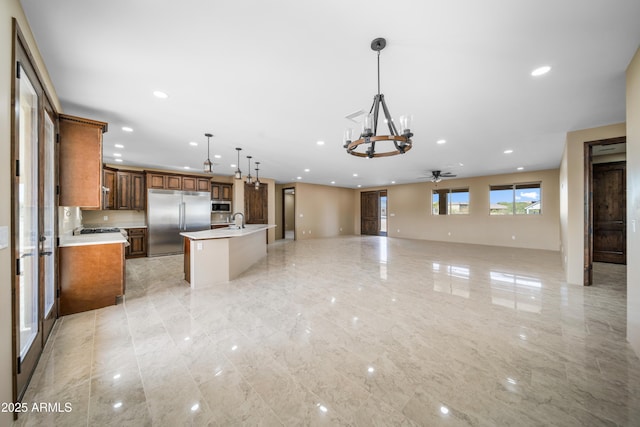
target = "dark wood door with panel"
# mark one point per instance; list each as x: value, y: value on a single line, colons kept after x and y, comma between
x: 369, y: 213
x: 609, y: 212
x: 255, y: 204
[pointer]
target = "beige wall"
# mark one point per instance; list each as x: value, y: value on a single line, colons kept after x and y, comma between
x: 409, y: 213
x: 633, y: 203
x: 9, y: 9
x: 572, y: 197
x: 320, y: 210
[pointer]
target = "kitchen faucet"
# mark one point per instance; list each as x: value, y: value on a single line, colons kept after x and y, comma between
x: 233, y: 217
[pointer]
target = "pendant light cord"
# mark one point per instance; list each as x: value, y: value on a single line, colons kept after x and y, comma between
x: 378, y: 72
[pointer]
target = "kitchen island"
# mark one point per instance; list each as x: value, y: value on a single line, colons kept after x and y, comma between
x: 220, y: 255
x: 92, y: 271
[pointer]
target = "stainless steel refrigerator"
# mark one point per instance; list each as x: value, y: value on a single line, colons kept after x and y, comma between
x: 171, y: 212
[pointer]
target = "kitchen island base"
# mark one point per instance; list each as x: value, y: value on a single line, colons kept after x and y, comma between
x: 218, y: 256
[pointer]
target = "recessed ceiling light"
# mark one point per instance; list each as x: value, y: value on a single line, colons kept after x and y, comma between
x: 359, y: 185
x: 299, y: 177
x: 307, y: 170
x: 118, y: 160
x: 217, y: 156
x: 333, y: 182
x: 441, y: 141
x: 355, y: 174
x: 160, y: 94
x: 233, y: 165
x: 540, y: 71
x: 320, y: 142
x: 187, y: 167
x: 520, y: 168
x: 117, y: 155
x: 119, y: 146
x: 508, y: 151
x: 194, y: 144
x: 393, y: 182
x: 127, y: 129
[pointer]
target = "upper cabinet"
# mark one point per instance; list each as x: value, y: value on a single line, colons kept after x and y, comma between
x: 81, y: 162
x: 221, y: 191
x: 123, y: 189
x: 177, y: 182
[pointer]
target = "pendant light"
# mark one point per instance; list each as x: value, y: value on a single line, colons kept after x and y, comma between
x: 238, y: 174
x: 208, y: 166
x: 249, y: 177
x: 257, y: 176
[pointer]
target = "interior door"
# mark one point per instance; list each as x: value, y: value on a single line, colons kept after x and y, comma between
x: 609, y: 212
x: 369, y: 213
x: 26, y: 305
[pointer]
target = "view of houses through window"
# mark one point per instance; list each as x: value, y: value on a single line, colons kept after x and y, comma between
x: 518, y: 199
x: 450, y: 201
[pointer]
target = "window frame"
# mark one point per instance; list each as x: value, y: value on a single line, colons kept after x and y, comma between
x: 513, y: 188
x: 447, y: 195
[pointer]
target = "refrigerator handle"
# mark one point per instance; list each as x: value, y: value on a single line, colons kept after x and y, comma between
x: 180, y: 216
x: 184, y: 216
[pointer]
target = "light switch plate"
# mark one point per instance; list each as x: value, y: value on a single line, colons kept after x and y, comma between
x: 4, y: 237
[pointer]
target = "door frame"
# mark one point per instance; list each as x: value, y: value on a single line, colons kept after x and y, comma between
x: 284, y: 210
x: 588, y: 203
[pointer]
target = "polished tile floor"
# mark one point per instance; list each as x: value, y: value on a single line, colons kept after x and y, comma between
x: 357, y: 331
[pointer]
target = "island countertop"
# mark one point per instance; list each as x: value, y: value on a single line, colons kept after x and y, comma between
x: 225, y: 233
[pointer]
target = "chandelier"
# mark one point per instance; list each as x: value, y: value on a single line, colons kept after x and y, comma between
x: 369, y: 136
x: 208, y: 166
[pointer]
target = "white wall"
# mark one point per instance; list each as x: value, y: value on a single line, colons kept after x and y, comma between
x: 9, y: 9
x: 572, y: 196
x: 633, y: 203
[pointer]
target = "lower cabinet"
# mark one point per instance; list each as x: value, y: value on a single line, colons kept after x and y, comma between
x: 91, y: 276
x: 137, y: 243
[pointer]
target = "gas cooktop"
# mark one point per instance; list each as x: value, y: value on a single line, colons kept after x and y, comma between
x: 99, y: 230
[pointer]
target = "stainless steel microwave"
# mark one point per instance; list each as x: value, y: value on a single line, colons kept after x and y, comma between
x: 217, y: 206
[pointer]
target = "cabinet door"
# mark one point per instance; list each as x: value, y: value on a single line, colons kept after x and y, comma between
x: 203, y: 184
x: 156, y: 180
x: 138, y: 192
x: 189, y: 183
x: 123, y: 192
x: 174, y: 182
x: 137, y: 242
x: 215, y: 191
x: 108, y: 189
x: 80, y: 151
x: 226, y: 192
x: 255, y: 204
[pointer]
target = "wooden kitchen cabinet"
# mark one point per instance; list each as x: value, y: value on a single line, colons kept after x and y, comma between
x: 130, y: 190
x: 177, y: 182
x: 137, y: 243
x: 108, y: 189
x: 221, y: 191
x: 80, y: 151
x: 91, y: 276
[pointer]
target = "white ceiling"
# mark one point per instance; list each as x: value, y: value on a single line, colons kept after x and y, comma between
x: 274, y: 77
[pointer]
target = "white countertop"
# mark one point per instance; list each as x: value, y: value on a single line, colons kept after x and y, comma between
x: 225, y: 233
x: 91, y: 239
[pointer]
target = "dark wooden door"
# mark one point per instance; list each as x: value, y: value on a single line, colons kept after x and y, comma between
x: 255, y: 204
x: 369, y: 213
x: 609, y: 213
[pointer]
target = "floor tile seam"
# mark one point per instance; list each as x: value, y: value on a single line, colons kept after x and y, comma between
x: 93, y: 335
x: 144, y: 387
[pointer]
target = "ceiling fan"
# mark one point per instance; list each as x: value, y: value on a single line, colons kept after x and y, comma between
x: 436, y: 176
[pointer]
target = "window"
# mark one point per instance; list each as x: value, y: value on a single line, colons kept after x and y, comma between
x: 518, y: 199
x: 450, y: 202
